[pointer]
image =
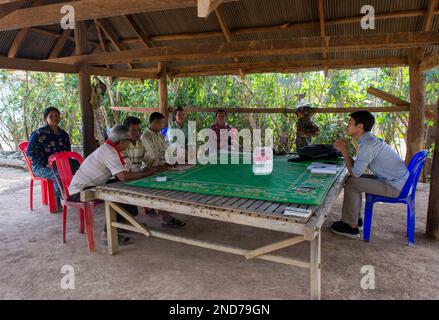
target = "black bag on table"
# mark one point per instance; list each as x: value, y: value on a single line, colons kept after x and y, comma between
x: 316, y: 151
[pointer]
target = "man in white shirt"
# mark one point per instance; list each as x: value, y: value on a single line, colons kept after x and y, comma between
x: 155, y: 148
x: 101, y: 165
x: 134, y: 155
x: 389, y: 172
x: 154, y: 142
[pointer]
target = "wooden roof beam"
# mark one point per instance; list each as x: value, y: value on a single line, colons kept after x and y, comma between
x: 387, y: 97
x: 261, y: 48
x: 117, y: 73
x: 319, y: 64
x: 280, y: 27
x: 111, y: 35
x: 428, y: 18
x: 143, y: 37
x: 227, y: 35
x: 87, y: 10
x: 267, y: 110
x: 59, y: 44
x: 101, y: 39
x: 36, y: 65
x: 18, y: 42
x: 21, y: 35
x: 323, y: 31
x: 206, y: 7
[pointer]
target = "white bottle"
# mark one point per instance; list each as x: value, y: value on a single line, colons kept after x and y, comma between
x: 262, y: 161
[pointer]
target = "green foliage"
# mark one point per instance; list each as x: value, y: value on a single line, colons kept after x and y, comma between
x: 25, y: 95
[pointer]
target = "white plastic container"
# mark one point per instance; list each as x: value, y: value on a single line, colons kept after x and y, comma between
x: 262, y: 161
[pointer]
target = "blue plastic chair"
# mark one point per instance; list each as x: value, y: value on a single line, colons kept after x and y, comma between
x: 407, y: 197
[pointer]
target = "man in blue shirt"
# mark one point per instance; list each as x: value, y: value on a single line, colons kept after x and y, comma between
x: 389, y: 172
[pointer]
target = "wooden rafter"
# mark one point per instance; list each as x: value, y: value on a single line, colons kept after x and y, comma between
x: 262, y: 48
x: 87, y: 10
x: 428, y: 18
x: 35, y: 65
x: 387, y: 97
x: 251, y: 30
x: 431, y: 115
x: 141, y: 34
x: 111, y: 35
x: 10, y: 1
x: 59, y: 44
x: 389, y: 61
x: 322, y: 24
x: 268, y: 110
x: 18, y: 42
x: 101, y: 39
x: 206, y: 7
x: 280, y: 27
x: 21, y: 35
x: 227, y: 35
x: 127, y: 74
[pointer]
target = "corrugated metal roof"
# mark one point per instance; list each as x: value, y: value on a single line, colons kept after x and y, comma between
x: 36, y: 46
x: 6, y: 40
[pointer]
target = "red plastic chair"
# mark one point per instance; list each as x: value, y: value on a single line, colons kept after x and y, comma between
x: 85, y: 209
x: 47, y: 190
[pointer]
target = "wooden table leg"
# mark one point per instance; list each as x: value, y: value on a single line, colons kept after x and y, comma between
x: 110, y: 214
x: 316, y: 266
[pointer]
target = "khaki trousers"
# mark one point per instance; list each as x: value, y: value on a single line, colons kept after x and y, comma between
x: 353, y: 190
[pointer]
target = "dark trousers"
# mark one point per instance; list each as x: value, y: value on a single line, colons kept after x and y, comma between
x: 132, y: 210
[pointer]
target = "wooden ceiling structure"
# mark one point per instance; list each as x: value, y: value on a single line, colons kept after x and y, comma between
x: 147, y: 39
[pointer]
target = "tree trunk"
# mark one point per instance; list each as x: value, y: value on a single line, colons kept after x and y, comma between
x: 432, y: 229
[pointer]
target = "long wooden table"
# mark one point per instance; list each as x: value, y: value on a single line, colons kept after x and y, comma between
x: 260, y: 214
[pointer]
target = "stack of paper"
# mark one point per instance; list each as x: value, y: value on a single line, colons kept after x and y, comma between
x: 319, y: 167
x: 298, y: 212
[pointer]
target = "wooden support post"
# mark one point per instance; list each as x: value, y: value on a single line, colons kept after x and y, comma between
x: 273, y: 247
x: 163, y: 91
x: 416, y: 127
x: 432, y: 229
x: 316, y: 266
x: 85, y: 92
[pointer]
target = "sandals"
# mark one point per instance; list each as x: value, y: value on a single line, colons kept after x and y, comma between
x: 174, y: 223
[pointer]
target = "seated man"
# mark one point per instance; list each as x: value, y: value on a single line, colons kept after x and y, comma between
x: 221, y: 124
x: 135, y: 153
x: 101, y: 165
x: 155, y: 148
x: 389, y: 172
x: 154, y: 142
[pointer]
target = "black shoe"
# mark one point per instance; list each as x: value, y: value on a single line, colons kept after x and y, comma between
x: 360, y: 223
x: 174, y: 223
x: 343, y: 229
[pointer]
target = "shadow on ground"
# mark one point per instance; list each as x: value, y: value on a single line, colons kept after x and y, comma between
x: 32, y: 255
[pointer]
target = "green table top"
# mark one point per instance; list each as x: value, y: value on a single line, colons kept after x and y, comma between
x: 239, y: 181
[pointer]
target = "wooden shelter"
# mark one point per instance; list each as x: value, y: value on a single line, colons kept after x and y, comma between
x: 184, y: 38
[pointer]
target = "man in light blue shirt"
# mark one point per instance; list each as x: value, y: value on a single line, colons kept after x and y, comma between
x: 389, y: 172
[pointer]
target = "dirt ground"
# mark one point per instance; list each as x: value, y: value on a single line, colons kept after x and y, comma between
x: 32, y: 255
